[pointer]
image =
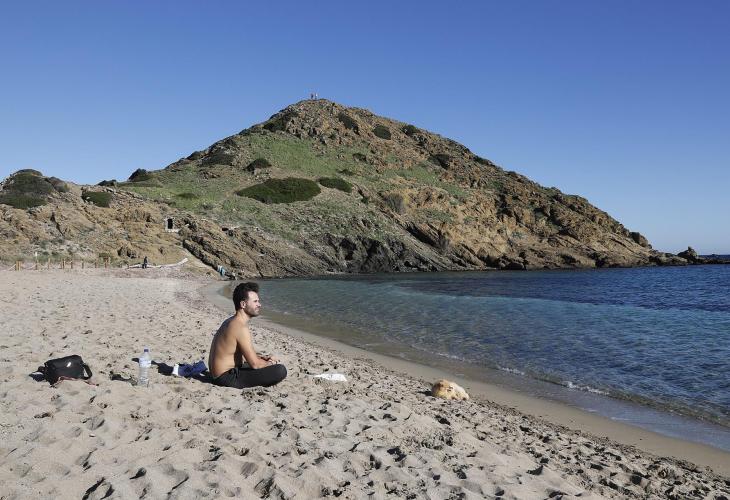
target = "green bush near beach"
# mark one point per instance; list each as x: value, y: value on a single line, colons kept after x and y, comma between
x: 98, y: 198
x: 336, y: 183
x: 286, y: 190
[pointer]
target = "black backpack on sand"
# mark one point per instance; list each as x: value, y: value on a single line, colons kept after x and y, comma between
x: 68, y: 367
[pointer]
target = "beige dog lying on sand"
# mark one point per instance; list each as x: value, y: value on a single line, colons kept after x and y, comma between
x: 448, y: 390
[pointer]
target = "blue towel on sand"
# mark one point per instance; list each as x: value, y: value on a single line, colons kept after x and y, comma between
x: 188, y: 370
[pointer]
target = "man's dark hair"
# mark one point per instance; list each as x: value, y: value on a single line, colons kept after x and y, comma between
x: 241, y: 293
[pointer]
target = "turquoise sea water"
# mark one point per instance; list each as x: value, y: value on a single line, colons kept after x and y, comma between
x: 656, y: 337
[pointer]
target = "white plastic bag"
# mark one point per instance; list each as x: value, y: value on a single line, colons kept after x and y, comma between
x: 334, y: 377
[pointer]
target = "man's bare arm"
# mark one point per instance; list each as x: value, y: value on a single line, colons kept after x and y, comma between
x: 245, y: 345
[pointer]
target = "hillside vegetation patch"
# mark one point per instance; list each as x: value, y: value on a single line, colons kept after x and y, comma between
x: 286, y: 190
x: 59, y: 185
x: 28, y: 188
x: 257, y: 164
x: 279, y: 123
x: 187, y: 196
x: 441, y: 159
x: 29, y: 182
x: 336, y: 183
x: 395, y: 201
x: 410, y: 130
x: 140, y: 175
x: 21, y: 201
x: 482, y: 161
x: 98, y: 198
x: 382, y: 131
x: 348, y: 122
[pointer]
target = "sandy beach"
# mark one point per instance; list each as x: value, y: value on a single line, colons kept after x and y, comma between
x: 378, y: 435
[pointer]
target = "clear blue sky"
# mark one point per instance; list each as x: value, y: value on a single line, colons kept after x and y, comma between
x: 625, y: 102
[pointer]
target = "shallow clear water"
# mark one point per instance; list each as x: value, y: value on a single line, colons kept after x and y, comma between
x: 656, y: 336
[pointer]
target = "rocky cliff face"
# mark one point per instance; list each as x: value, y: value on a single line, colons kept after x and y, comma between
x: 407, y: 200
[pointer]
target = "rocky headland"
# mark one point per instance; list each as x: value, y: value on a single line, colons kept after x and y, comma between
x: 321, y: 188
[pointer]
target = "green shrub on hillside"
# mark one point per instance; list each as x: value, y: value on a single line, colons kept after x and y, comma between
x: 219, y: 157
x: 282, y: 190
x: 410, y: 130
x: 336, y: 183
x: 347, y: 171
x: 26, y: 188
x: 98, y: 198
x: 30, y: 171
x: 25, y: 182
x: 258, y: 163
x: 395, y: 201
x: 140, y: 175
x: 348, y: 122
x: 279, y: 123
x: 59, y: 185
x: 382, y: 131
x: 112, y: 182
x: 482, y: 161
x: 441, y: 159
x: 22, y: 201
x: 360, y: 157
x: 187, y: 196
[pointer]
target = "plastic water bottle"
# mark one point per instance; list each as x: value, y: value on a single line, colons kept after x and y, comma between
x: 145, y: 361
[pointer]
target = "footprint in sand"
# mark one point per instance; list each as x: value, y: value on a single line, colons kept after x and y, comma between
x: 100, y: 489
x: 94, y: 423
x: 248, y: 469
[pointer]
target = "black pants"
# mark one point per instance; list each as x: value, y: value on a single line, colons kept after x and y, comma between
x: 244, y: 376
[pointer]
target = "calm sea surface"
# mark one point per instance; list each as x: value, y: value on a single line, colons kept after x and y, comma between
x: 654, y: 337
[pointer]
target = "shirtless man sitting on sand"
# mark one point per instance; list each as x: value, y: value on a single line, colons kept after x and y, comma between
x: 232, y: 343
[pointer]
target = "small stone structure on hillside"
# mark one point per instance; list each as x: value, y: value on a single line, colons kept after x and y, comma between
x: 171, y: 224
